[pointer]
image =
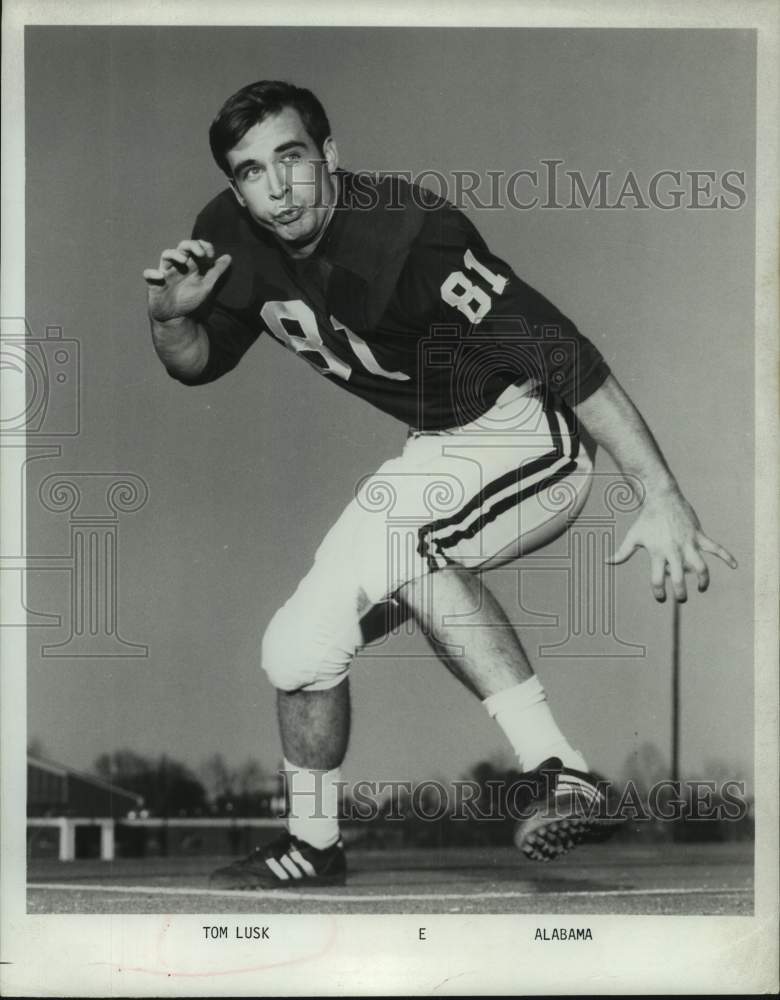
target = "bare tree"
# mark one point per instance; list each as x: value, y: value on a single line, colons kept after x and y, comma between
x: 218, y: 777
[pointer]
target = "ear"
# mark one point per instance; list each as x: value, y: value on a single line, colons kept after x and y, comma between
x: 237, y: 193
x: 331, y: 154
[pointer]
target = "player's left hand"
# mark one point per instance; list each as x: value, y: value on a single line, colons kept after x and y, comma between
x: 667, y: 526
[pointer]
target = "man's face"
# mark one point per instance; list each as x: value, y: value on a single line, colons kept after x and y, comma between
x: 283, y: 180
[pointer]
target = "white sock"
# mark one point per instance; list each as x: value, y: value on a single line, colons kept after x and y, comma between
x: 313, y: 797
x: 524, y: 715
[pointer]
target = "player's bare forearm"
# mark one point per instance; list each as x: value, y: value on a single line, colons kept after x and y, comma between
x: 666, y: 526
x: 182, y: 345
x: 614, y: 422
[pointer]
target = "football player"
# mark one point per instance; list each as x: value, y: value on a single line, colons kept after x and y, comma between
x: 393, y: 295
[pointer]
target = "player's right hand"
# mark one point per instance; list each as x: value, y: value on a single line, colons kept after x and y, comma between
x: 184, y: 279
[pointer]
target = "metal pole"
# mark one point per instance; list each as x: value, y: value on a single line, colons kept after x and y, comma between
x: 675, y: 691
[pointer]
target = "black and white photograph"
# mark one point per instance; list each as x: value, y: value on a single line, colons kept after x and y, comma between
x: 389, y: 451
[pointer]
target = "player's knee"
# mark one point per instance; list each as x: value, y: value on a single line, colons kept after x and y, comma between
x: 281, y: 655
x: 450, y: 585
x: 294, y: 657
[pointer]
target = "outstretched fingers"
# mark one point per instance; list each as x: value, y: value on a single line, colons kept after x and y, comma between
x: 658, y: 577
x: 676, y: 545
x: 677, y: 576
x: 708, y: 545
x: 624, y: 551
x: 694, y: 561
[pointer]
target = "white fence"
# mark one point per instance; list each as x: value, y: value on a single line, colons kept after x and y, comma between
x: 67, y: 829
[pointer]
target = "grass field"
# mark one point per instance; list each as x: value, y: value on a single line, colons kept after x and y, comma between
x: 605, y: 879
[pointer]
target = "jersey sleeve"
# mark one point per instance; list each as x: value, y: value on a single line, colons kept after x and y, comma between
x: 465, y: 292
x: 226, y: 316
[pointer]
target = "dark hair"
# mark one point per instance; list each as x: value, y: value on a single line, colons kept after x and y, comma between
x: 255, y: 102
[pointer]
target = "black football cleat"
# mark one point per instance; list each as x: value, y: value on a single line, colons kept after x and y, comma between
x: 286, y: 863
x: 567, y: 808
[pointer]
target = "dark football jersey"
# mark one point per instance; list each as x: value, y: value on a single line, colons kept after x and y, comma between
x: 401, y: 303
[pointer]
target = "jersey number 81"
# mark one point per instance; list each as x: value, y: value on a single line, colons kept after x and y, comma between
x: 459, y: 291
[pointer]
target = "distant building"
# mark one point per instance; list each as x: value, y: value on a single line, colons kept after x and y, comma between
x: 56, y: 790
